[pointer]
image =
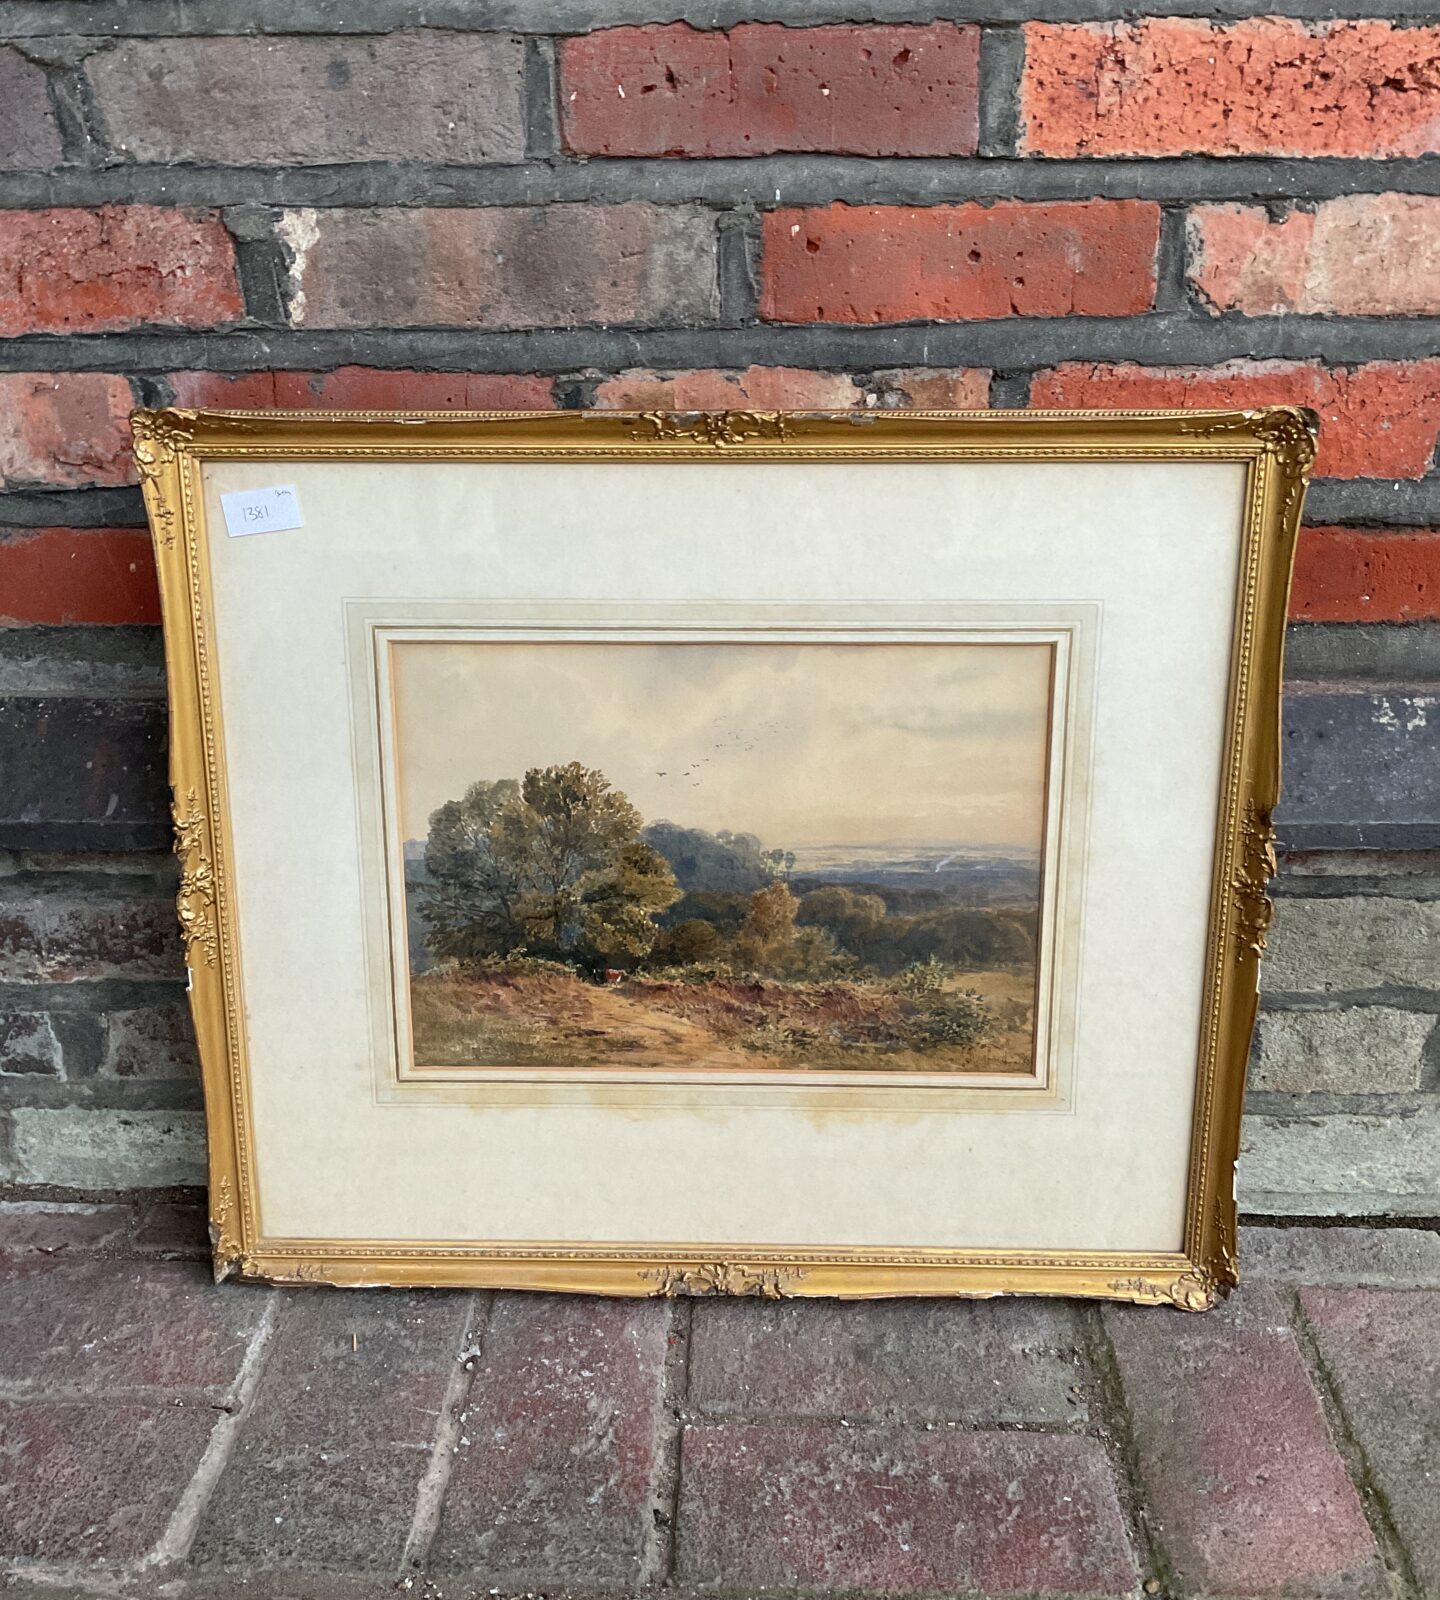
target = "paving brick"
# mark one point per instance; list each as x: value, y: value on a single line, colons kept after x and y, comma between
x: 64, y: 430
x: 1342, y: 1256
x: 1363, y: 1050
x: 768, y: 388
x: 552, y: 1478
x: 1264, y: 86
x: 96, y: 1482
x: 80, y: 1147
x: 132, y: 1328
x: 150, y: 1042
x: 55, y: 938
x: 83, y: 773
x: 847, y: 264
x: 1354, y: 575
x: 1381, y: 1350
x: 326, y: 1469
x: 451, y: 98
x: 1379, y: 420
x: 175, y: 1229
x: 1363, y: 255
x: 78, y: 575
x: 503, y: 267
x: 29, y: 134
x: 366, y: 389
x: 53, y: 1227
x: 1355, y: 1164
x: 1000, y: 1361
x: 1247, y: 1492
x: 28, y: 1045
x: 812, y: 1505
x: 762, y: 88
x: 1353, y: 942
x: 69, y: 271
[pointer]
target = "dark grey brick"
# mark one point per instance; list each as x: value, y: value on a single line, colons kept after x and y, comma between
x: 29, y: 134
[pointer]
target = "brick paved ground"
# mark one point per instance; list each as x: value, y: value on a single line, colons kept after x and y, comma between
x: 162, y: 1437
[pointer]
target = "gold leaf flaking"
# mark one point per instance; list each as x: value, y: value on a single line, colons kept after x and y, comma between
x: 1196, y: 1290
x: 1254, y: 910
x: 195, y: 902
x: 718, y: 429
x: 725, y: 1278
x: 156, y: 435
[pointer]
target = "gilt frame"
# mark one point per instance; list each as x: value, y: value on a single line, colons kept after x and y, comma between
x: 1276, y: 446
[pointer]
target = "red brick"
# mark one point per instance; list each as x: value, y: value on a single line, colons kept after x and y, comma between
x: 812, y: 1505
x: 1247, y: 1491
x: 452, y: 98
x: 891, y: 264
x: 1264, y: 86
x: 94, y: 1482
x: 1352, y: 575
x: 1012, y: 1362
x: 934, y: 388
x: 768, y: 388
x: 78, y: 575
x: 97, y: 1327
x: 1364, y: 255
x: 64, y: 430
x: 326, y: 1470
x: 1381, y: 1351
x: 761, y: 88
x: 503, y: 266
x: 57, y: 938
x: 365, y: 389
x: 552, y: 1477
x: 118, y: 267
x: 1376, y: 421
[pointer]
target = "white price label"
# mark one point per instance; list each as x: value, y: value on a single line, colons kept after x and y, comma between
x: 261, y: 511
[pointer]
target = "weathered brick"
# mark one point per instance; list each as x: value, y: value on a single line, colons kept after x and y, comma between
x: 451, y: 98
x: 126, y: 1328
x: 77, y: 1147
x: 769, y: 388
x: 67, y: 271
x: 812, y: 1505
x: 27, y: 1043
x: 934, y: 388
x: 1247, y: 1492
x: 1363, y: 255
x: 761, y: 88
x: 366, y: 389
x: 175, y: 1230
x: 1349, y: 1256
x: 551, y: 1480
x: 1380, y: 420
x: 1381, y: 1350
x: 988, y: 1362
x: 503, y: 267
x: 82, y: 774
x: 57, y: 938
x: 1363, y: 1050
x: 78, y: 575
x: 29, y: 135
x: 326, y: 1470
x: 95, y: 1482
x: 1353, y: 942
x: 50, y: 1227
x: 845, y: 263
x: 1353, y: 575
x: 1265, y: 86
x: 150, y: 1042
x: 64, y: 430
x: 1342, y: 1164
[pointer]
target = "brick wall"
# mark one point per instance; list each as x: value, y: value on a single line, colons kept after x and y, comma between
x: 823, y: 203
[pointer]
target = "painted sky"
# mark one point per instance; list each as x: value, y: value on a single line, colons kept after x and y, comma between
x: 803, y: 744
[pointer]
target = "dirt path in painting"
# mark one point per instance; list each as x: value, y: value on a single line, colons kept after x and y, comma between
x: 672, y: 1038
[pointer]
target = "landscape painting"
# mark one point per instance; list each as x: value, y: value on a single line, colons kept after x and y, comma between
x: 731, y: 857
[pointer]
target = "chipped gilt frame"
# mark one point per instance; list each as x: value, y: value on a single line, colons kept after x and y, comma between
x: 1275, y: 447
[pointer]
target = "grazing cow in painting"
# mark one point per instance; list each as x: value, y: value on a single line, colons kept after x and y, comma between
x: 614, y: 977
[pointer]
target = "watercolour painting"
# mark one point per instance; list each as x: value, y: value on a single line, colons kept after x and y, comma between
x: 722, y: 857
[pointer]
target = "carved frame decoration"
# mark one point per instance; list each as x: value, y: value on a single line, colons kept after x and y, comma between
x: 1276, y: 444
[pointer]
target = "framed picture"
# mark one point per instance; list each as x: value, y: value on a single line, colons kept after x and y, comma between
x: 730, y: 853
